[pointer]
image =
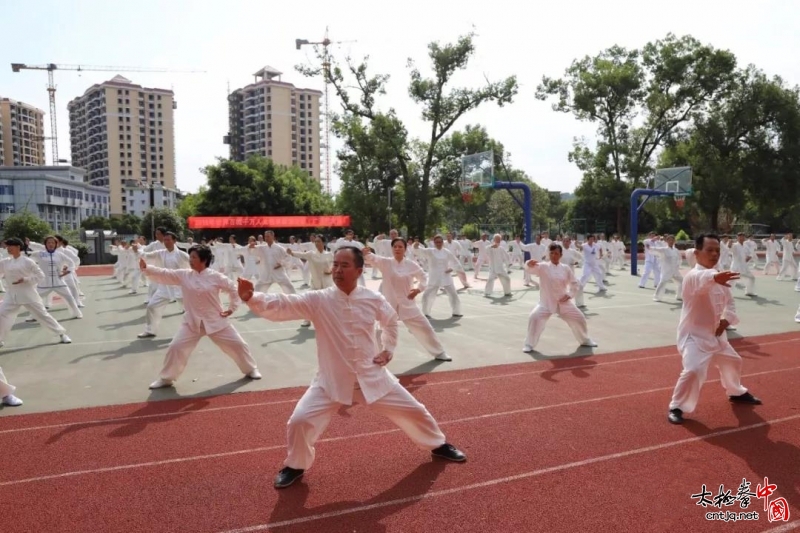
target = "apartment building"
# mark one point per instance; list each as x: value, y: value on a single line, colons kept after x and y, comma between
x: 277, y: 120
x: 138, y: 198
x: 21, y: 134
x: 122, y: 132
x: 56, y: 194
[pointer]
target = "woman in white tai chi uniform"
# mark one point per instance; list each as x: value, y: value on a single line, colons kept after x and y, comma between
x: 441, y: 262
x: 320, y: 263
x: 499, y: 261
x: 6, y: 392
x: 171, y: 258
x: 23, y: 275
x: 557, y: 287
x: 399, y: 277
x: 592, y: 267
x: 204, y: 316
x: 772, y: 246
x: 670, y: 259
x: 56, y: 265
x: 344, y: 317
x: 708, y: 310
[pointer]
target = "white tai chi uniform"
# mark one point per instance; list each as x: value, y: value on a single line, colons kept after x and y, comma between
x: 399, y: 278
x: 752, y: 252
x: 788, y: 264
x: 6, y: 389
x: 556, y: 281
x: 705, y: 303
x: 203, y: 307
x: 346, y: 346
x: 650, y: 263
x: 439, y: 262
x: 466, y: 253
x: 538, y: 253
x: 772, y: 259
x: 164, y: 294
x: 320, y: 266
x: 740, y: 254
x: 571, y: 257
x: 670, y: 258
x: 592, y: 266
x: 456, y: 250
x: 52, y: 265
x: 271, y: 267
x: 152, y: 247
x: 691, y: 260
x: 618, y: 254
x: 483, y: 257
x: 499, y: 261
x: 24, y: 295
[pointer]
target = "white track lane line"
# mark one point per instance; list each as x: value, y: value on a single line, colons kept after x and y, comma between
x: 517, y: 477
x: 280, y: 402
x: 358, y: 435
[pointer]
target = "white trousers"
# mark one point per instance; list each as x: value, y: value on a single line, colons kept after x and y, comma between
x: 505, y: 281
x: 772, y: 263
x: 594, y: 270
x: 429, y: 297
x: 655, y: 268
x: 666, y: 278
x: 72, y: 284
x: 9, y: 312
x: 695, y: 369
x: 65, y: 294
x: 185, y: 341
x: 284, y: 283
x: 5, y: 387
x: 420, y: 329
x: 155, y: 310
x: 788, y: 270
x: 482, y: 260
x: 568, y: 312
x: 151, y: 291
x: 749, y: 281
x: 313, y: 413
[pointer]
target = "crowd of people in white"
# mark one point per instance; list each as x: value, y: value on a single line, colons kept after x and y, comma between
x: 192, y: 275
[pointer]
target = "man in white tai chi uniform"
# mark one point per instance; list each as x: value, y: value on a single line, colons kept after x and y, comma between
x: 350, y: 365
x: 200, y: 287
x: 171, y: 258
x: 670, y: 259
x: 499, y: 261
x: 708, y: 310
x: 650, y: 260
x: 558, y: 285
x: 741, y: 260
x: 592, y: 267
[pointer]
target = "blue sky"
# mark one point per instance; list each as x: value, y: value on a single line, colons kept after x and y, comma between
x: 231, y: 40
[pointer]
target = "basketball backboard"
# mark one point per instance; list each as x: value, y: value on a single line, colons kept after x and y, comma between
x: 477, y: 170
x: 676, y: 180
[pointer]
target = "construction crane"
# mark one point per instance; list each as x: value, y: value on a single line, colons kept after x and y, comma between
x: 326, y: 67
x: 51, y: 88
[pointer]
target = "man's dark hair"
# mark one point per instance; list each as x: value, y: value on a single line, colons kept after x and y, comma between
x: 13, y: 241
x: 162, y: 229
x: 698, y: 242
x: 358, y: 255
x: 556, y: 246
x: 170, y: 234
x: 405, y: 244
x: 203, y: 253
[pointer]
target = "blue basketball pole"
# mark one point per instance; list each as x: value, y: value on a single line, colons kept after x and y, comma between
x: 635, y: 208
x: 526, y: 204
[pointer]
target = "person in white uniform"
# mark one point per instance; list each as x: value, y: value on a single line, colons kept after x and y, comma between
x: 320, y: 263
x: 772, y: 260
x: 204, y: 316
x: 23, y: 275
x: 741, y: 258
x: 455, y: 248
x: 351, y: 365
x: 482, y: 245
x: 650, y: 261
x: 499, y: 262
x: 7, y: 392
x: 708, y: 311
x: 56, y: 265
x: 592, y: 255
x: 558, y: 285
x: 153, y: 246
x: 788, y: 263
x: 441, y: 262
x: 171, y: 258
x: 403, y: 280
x: 670, y: 259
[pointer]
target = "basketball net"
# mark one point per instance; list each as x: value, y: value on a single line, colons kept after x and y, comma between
x: 466, y: 191
x: 680, y: 201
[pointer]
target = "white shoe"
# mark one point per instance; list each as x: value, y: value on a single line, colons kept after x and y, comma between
x: 81, y: 305
x: 65, y: 339
x: 12, y: 401
x: 527, y: 349
x: 160, y: 384
x: 305, y: 324
x: 589, y: 344
x: 443, y: 357
x: 254, y: 374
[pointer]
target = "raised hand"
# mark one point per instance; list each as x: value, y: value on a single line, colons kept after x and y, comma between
x: 532, y: 263
x: 725, y: 276
x: 382, y: 358
x: 227, y: 313
x: 142, y: 264
x: 245, y: 289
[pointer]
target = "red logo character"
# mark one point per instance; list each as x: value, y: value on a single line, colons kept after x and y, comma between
x: 778, y: 510
x: 765, y: 492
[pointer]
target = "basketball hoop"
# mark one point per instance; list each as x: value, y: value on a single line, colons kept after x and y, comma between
x: 680, y: 201
x: 467, y: 190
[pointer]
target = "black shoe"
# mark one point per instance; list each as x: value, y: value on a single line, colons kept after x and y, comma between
x: 287, y: 476
x: 449, y: 452
x: 675, y: 416
x: 745, y: 398
x: 457, y: 316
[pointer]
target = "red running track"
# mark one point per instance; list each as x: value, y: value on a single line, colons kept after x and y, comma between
x: 578, y: 444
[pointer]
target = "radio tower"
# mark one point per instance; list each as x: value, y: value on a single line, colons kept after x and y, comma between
x: 326, y: 67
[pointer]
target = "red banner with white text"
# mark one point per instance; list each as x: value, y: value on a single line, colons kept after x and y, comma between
x: 310, y: 221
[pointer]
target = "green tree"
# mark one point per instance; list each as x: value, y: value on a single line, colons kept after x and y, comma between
x: 96, y: 222
x: 189, y: 206
x: 442, y: 106
x: 26, y: 224
x: 639, y: 100
x: 162, y: 217
x: 127, y: 224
